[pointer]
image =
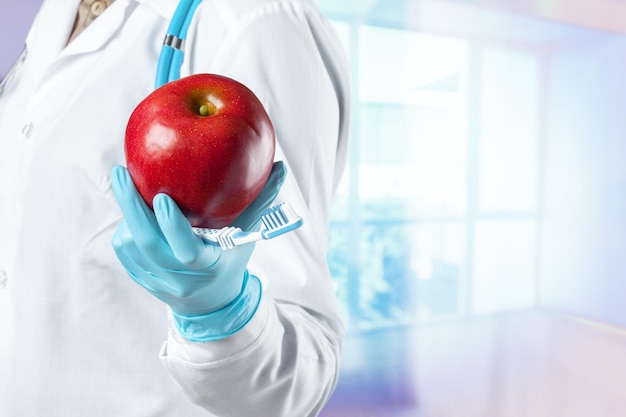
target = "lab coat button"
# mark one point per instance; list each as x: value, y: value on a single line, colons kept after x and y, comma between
x: 97, y: 7
x: 3, y: 280
x: 27, y: 130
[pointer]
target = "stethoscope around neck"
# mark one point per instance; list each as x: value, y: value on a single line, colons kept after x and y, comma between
x: 172, y: 52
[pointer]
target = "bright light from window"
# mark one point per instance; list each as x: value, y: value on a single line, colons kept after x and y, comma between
x: 509, y: 92
x: 397, y: 66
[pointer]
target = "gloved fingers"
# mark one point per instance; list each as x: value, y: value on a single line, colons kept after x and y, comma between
x: 187, y: 247
x: 168, y: 286
x: 252, y: 214
x: 132, y: 259
x: 140, y: 219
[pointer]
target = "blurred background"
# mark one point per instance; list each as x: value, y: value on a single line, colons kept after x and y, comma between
x: 478, y: 238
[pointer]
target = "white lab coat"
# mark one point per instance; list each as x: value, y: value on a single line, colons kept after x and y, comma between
x: 77, y: 336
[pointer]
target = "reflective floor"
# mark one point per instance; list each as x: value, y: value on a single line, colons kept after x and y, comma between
x: 526, y: 364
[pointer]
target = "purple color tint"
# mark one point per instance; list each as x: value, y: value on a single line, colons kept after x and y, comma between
x: 16, y: 17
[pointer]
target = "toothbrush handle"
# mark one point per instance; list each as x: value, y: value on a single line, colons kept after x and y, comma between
x: 242, y: 238
x: 238, y: 238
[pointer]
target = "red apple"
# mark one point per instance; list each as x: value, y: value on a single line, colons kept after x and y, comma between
x: 206, y: 141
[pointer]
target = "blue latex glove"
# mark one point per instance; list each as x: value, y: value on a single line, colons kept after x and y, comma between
x: 208, y: 290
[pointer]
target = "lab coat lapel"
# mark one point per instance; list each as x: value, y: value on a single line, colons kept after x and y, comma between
x: 100, y: 31
x: 49, y: 33
x: 103, y: 28
x: 51, y: 29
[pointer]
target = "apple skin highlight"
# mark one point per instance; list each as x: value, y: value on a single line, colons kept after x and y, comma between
x: 207, y: 142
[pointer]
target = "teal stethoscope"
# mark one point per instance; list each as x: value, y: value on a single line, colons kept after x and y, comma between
x: 172, y: 52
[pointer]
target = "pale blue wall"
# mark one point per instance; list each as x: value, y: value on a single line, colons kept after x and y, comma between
x: 584, y: 225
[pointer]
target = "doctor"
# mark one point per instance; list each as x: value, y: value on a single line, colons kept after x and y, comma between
x: 78, y: 336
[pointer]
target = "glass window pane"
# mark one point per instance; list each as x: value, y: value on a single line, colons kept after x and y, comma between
x: 409, y: 272
x: 509, y: 101
x: 412, y: 164
x: 398, y: 65
x: 503, y: 274
x: 338, y: 262
x: 412, y: 124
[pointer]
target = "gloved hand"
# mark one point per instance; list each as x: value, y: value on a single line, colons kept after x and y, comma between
x: 209, y: 290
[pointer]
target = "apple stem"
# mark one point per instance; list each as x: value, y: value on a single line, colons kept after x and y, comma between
x: 207, y: 109
x: 203, y: 110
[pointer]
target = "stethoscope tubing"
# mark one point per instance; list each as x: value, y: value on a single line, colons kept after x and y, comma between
x: 172, y: 53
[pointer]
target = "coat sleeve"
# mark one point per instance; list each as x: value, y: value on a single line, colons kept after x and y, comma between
x: 285, y: 362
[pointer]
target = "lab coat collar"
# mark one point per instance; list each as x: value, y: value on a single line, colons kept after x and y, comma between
x: 100, y: 30
x: 51, y: 28
x: 61, y: 14
x: 50, y: 31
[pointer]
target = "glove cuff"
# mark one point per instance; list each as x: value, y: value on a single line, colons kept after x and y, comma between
x: 225, y: 321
